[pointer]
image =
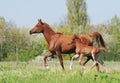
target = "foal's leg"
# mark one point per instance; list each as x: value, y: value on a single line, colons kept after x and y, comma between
x: 45, y: 57
x: 102, y: 63
x: 80, y: 60
x: 58, y: 53
x: 95, y: 61
x: 74, y: 57
x: 88, y: 58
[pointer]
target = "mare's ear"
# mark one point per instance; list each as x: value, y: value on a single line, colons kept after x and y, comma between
x: 40, y: 21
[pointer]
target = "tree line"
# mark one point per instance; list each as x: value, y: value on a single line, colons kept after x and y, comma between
x: 17, y: 44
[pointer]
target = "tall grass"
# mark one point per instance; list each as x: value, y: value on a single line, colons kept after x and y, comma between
x: 23, y: 72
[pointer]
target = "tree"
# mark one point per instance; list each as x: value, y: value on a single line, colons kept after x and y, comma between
x: 115, y: 26
x: 77, y: 13
x: 2, y: 35
x: 2, y: 22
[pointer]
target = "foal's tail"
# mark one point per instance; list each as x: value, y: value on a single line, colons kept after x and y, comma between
x: 104, y: 49
x: 99, y: 39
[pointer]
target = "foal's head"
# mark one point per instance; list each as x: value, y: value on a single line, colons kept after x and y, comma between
x: 38, y: 28
x: 75, y: 39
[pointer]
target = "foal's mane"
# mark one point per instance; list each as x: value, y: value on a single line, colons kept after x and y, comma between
x: 76, y: 38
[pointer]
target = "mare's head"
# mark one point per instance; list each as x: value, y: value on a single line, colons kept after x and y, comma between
x: 38, y: 28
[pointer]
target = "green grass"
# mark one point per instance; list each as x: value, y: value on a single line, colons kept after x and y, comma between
x: 33, y: 72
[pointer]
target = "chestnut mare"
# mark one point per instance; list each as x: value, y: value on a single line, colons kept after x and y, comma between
x: 58, y: 43
x: 85, y: 50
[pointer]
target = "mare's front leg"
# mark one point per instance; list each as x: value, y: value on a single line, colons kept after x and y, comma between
x: 45, y: 57
x: 58, y: 53
x: 74, y: 57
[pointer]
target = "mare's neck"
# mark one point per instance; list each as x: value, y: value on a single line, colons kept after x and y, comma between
x: 48, y: 33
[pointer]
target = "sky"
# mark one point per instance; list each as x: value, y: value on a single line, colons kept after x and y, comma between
x: 27, y: 12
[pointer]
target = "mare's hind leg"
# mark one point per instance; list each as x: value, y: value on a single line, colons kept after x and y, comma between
x: 45, y: 57
x: 71, y: 62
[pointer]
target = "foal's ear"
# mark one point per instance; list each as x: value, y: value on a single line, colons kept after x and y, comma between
x: 40, y: 21
x: 76, y: 36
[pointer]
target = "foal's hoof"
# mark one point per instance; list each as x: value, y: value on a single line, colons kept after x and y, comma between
x: 70, y: 68
x: 83, y: 68
x: 46, y: 66
x: 85, y: 71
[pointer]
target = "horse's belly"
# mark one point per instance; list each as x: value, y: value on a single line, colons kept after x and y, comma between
x: 64, y: 44
x: 68, y: 49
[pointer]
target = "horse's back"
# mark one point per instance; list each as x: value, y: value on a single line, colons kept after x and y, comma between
x: 85, y: 39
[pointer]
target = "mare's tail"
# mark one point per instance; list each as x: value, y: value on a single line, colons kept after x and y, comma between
x: 99, y: 39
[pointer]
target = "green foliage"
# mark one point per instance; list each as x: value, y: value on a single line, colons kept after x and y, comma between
x: 2, y: 22
x: 17, y: 44
x: 77, y: 14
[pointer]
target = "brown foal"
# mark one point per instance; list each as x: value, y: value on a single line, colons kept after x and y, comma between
x: 85, y: 50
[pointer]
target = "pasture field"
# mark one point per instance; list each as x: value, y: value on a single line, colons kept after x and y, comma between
x: 34, y: 72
